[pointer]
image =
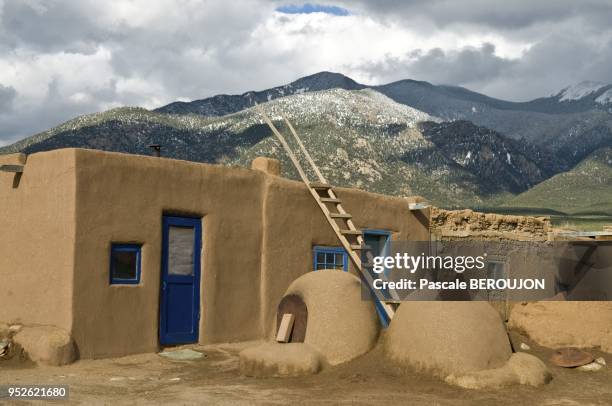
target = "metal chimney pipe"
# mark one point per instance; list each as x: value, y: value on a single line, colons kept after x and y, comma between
x: 156, y: 149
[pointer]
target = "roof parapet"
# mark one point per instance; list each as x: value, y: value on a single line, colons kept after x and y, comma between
x: 267, y: 165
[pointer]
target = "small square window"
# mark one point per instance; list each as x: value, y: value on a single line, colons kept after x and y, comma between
x: 125, y: 264
x: 330, y: 258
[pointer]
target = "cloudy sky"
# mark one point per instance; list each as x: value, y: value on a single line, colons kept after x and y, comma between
x: 62, y: 58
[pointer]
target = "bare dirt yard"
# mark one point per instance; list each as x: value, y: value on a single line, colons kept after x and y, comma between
x: 368, y: 380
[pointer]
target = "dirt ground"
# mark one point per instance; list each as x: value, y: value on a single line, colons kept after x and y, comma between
x: 214, y: 379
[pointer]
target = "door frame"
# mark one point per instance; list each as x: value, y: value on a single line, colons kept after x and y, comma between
x: 196, y: 224
x: 382, y: 314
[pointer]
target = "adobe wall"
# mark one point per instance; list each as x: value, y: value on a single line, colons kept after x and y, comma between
x: 529, y: 247
x: 522, y: 242
x: 258, y: 234
x: 37, y: 231
x: 122, y: 199
x: 457, y: 224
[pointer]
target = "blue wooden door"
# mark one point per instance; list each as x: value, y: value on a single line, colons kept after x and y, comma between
x: 180, y: 280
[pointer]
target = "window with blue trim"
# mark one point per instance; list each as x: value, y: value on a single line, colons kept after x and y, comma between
x: 378, y: 241
x: 330, y: 258
x: 125, y: 264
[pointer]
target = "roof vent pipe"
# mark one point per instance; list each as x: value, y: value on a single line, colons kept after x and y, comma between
x: 156, y: 149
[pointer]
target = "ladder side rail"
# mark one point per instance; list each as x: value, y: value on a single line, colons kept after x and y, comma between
x: 366, y: 275
x: 343, y: 240
x: 315, y: 168
x: 394, y: 295
x: 285, y: 146
x: 332, y: 194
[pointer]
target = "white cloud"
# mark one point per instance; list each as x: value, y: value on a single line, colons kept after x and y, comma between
x: 30, y: 73
x: 64, y: 58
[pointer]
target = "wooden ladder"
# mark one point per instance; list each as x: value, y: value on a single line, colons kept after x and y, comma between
x: 348, y: 234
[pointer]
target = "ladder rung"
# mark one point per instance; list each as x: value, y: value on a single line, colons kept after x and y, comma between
x: 11, y: 168
x: 330, y: 200
x: 319, y: 185
x: 360, y: 247
x: 350, y: 232
x: 340, y: 215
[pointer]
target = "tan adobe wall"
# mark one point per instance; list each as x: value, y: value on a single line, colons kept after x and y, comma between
x: 259, y: 231
x: 449, y: 224
x: 122, y: 199
x: 37, y: 230
x: 258, y: 234
x: 518, y: 241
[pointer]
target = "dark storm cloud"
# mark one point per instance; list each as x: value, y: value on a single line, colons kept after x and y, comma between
x: 50, y: 26
x: 559, y: 60
x: 570, y: 41
x: 52, y: 110
x: 467, y: 66
x: 511, y: 14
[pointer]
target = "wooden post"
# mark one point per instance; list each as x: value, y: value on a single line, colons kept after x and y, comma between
x: 284, y: 330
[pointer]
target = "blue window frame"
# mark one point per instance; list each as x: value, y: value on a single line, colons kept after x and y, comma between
x: 330, y: 258
x: 378, y: 240
x: 125, y: 264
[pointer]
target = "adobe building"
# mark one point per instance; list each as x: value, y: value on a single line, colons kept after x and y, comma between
x: 575, y: 265
x: 127, y: 253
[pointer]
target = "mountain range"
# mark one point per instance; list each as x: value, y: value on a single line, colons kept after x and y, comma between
x: 456, y: 147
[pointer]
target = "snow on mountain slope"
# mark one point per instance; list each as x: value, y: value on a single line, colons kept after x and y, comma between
x: 358, y: 107
x: 359, y: 138
x: 580, y: 90
x: 605, y: 97
x: 339, y: 107
x: 552, y: 123
x: 221, y: 105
